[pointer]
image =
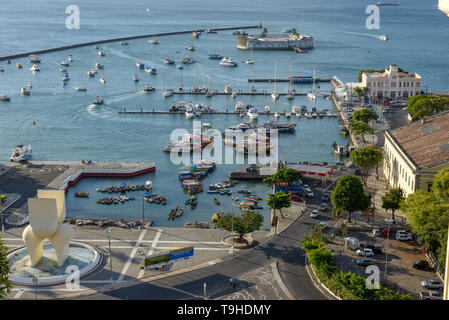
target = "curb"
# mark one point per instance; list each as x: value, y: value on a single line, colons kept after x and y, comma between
x: 278, y: 278
x: 315, y: 278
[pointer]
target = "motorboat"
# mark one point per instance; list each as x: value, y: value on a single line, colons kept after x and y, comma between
x: 228, y: 89
x: 24, y: 92
x: 290, y: 95
x: 101, y: 53
x: 34, y: 59
x: 188, y: 60
x: 267, y: 109
x: 98, y: 101
x: 228, y: 62
x: 215, y: 56
x: 19, y: 66
x: 196, y: 34
x: 135, y: 78
x: 153, y: 41
x: 311, y: 96
x: 189, y: 113
x: 295, y: 109
x: 80, y: 89
x: 90, y: 74
x: 239, y: 106
x: 150, y: 70
x: 276, y: 115
x: 30, y: 84
x: 148, y: 185
x: 179, y: 66
x: 21, y: 153
x: 288, y: 114
x: 191, y: 47
x: 234, y: 94
x: 253, y: 90
x: 96, y: 46
x: 99, y: 66
x: 209, y: 93
x: 62, y: 69
x: 102, y: 80
x: 340, y: 150
x: 384, y: 37
x: 249, y: 61
x: 4, y: 97
x: 64, y: 63
x: 65, y: 77
x: 140, y: 65
x: 35, y: 68
x: 70, y: 58
x: 274, y: 95
x: 148, y: 88
x: 298, y: 115
x: 252, y: 114
x: 212, y: 31
x: 169, y: 61
x: 167, y: 93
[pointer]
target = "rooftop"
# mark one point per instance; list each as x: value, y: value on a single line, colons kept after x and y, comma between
x: 425, y: 143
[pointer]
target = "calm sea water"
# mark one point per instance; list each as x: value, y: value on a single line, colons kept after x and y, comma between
x: 69, y: 127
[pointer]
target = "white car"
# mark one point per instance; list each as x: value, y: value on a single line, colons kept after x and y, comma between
x: 402, y: 235
x: 314, y: 214
x: 323, y: 225
x: 365, y: 252
x: 309, y: 193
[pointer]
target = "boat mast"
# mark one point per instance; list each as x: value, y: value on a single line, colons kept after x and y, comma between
x: 196, y: 85
x: 275, y: 75
x: 205, y: 86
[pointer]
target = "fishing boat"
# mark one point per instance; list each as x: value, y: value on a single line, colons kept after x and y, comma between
x: 169, y: 61
x: 101, y: 53
x: 148, y: 88
x: 19, y: 66
x: 135, y: 78
x: 98, y: 101
x: 80, y: 89
x: 35, y: 68
x: 191, y: 47
x: 140, y: 65
x: 187, y: 60
x: 150, y: 70
x: 24, y: 92
x: 82, y: 195
x: 21, y: 153
x: 228, y: 62
x: 4, y: 97
x: 215, y: 56
x: 34, y: 59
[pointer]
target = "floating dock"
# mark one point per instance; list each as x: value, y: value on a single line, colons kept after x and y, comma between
x: 141, y: 111
x: 294, y: 80
x: 240, y: 93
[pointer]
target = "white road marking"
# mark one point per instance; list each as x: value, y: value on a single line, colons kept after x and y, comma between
x: 132, y: 241
x: 18, y: 294
x: 131, y: 256
x: 151, y: 251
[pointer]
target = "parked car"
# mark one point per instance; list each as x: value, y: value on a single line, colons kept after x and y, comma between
x: 357, y: 172
x: 431, y: 295
x: 323, y: 225
x: 387, y: 232
x: 325, y: 196
x: 421, y: 265
x: 323, y: 207
x: 305, y: 185
x: 432, y: 284
x: 365, y: 252
x: 402, y: 235
x: 375, y: 249
x: 364, y: 262
x: 376, y: 232
x: 314, y: 214
x: 296, y: 198
x: 309, y: 193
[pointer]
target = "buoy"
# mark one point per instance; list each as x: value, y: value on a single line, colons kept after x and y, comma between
x: 34, y: 123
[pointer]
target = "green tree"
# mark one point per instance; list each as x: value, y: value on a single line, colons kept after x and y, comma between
x: 294, y: 31
x: 392, y: 200
x: 5, y: 284
x: 264, y: 33
x: 246, y: 222
x: 278, y: 201
x: 421, y: 106
x: 348, y: 196
x: 441, y: 184
x: 428, y: 217
x: 362, y: 128
x: 365, y: 115
x: 288, y: 175
x: 365, y: 159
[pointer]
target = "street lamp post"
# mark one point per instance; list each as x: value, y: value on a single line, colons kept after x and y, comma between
x: 232, y: 234
x: 386, y: 254
x: 3, y: 200
x: 108, y: 230
x: 374, y: 197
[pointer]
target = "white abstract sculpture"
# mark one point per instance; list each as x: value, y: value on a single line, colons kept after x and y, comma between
x: 47, y: 213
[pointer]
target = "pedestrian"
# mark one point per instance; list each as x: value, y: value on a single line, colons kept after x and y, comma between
x: 340, y: 252
x: 231, y: 282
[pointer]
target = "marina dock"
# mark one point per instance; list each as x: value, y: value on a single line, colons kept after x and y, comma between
x: 294, y: 80
x: 240, y: 93
x: 141, y: 111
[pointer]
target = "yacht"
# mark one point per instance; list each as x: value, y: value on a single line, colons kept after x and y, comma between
x: 252, y: 114
x: 311, y: 95
x: 21, y: 153
x: 153, y: 41
x: 290, y: 95
x: 101, y: 53
x: 188, y: 60
x: 276, y: 115
x: 191, y: 47
x: 24, y: 92
x: 102, y: 80
x: 64, y: 63
x: 215, y: 56
x: 140, y: 65
x: 239, y: 106
x: 384, y: 37
x: 35, y: 68
x: 253, y: 90
x: 169, y: 61
x: 275, y: 94
x: 189, y: 113
x: 209, y: 93
x: 150, y: 70
x: 34, y: 59
x: 249, y: 61
x: 288, y: 114
x: 4, y: 97
x: 167, y: 93
x: 227, y: 62
x: 80, y: 89
x: 70, y: 58
x: 99, y: 66
x: 234, y: 94
x: 135, y: 78
x: 98, y: 101
x: 228, y: 89
x: 148, y: 88
x: 267, y: 109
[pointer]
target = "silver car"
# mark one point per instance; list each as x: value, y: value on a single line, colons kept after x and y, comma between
x: 433, y: 284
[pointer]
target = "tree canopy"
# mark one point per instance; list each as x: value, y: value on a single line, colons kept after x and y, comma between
x: 359, y: 75
x: 392, y: 200
x: 421, y: 106
x: 364, y: 115
x: 288, y: 175
x: 362, y: 128
x: 365, y: 159
x: 348, y: 196
x: 441, y: 184
x: 279, y: 201
x: 246, y: 222
x: 5, y: 284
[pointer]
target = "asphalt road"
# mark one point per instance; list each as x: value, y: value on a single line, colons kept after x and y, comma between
x: 284, y: 247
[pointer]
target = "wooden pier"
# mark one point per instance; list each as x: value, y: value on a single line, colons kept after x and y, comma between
x: 141, y: 111
x: 239, y: 93
x: 299, y: 80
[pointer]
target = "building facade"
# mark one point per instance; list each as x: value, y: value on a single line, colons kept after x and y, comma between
x: 275, y: 42
x: 391, y: 83
x: 415, y: 153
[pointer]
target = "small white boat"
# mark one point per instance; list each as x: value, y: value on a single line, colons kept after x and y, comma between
x: 295, y: 109
x: 70, y: 58
x: 189, y: 113
x: 267, y: 109
x: 98, y: 101
x: 2, y: 70
x: 191, y: 47
x: 239, y: 106
x: 62, y: 69
x: 228, y: 62
x: 249, y: 61
x: 135, y: 78
x: 140, y: 65
x: 148, y: 88
x: 234, y: 94
x: 276, y: 115
x: 288, y: 114
x: 209, y: 93
x: 153, y: 41
x: 187, y: 60
x: 384, y: 37
x: 34, y: 59
x: 99, y: 66
x: 30, y: 84
x: 274, y: 95
x: 167, y: 93
x: 227, y: 89
x: 298, y: 114
x: 35, y: 68
x: 21, y: 153
x: 80, y: 89
x: 148, y: 185
x: 290, y: 95
x: 64, y: 63
x: 252, y: 114
x: 24, y: 92
x: 124, y: 43
x: 102, y: 80
x: 90, y: 74
x: 101, y: 53
x: 311, y: 96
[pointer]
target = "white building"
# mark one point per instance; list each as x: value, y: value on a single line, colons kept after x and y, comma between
x: 275, y: 41
x: 391, y: 83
